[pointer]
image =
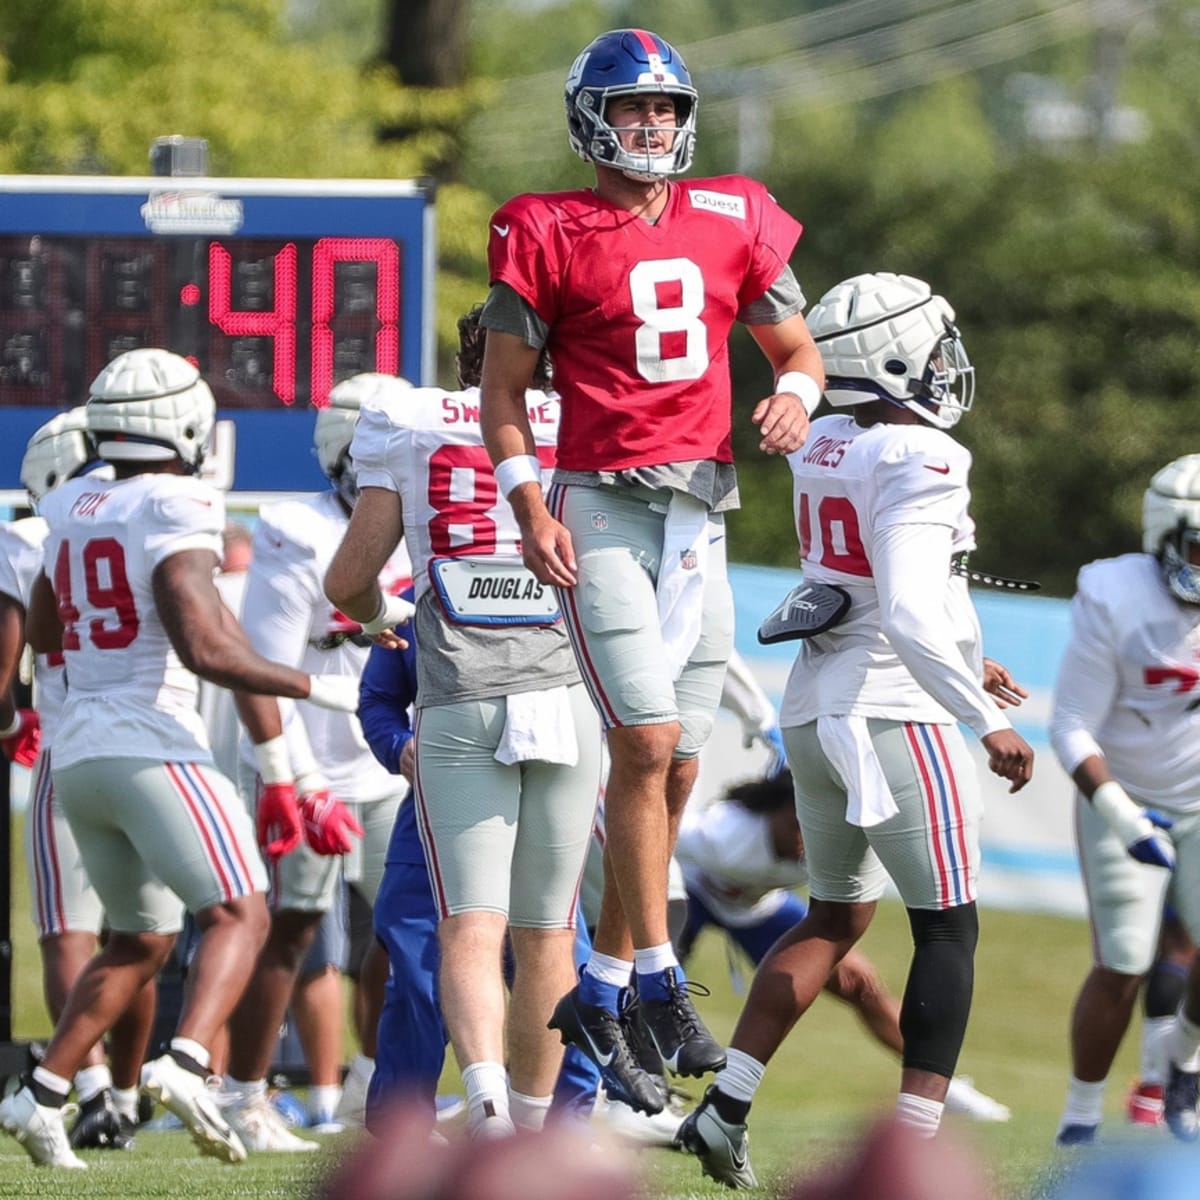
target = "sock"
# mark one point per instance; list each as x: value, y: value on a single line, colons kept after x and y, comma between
x: 241, y: 1090
x: 49, y: 1090
x: 1152, y: 1066
x: 323, y: 1099
x: 652, y: 965
x: 1184, y: 1043
x: 362, y: 1066
x: 191, y: 1056
x: 125, y: 1101
x: 528, y: 1112
x: 486, y: 1085
x: 919, y: 1114
x: 736, y: 1082
x: 91, y: 1081
x: 601, y: 980
x: 1085, y: 1103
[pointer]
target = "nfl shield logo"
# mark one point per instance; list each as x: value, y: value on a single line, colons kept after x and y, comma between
x: 687, y: 559
x: 599, y: 520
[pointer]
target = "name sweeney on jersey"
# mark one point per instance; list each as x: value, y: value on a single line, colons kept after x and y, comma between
x: 505, y: 588
x: 455, y: 412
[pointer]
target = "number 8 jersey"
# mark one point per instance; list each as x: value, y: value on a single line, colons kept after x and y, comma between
x: 128, y: 694
x: 640, y: 313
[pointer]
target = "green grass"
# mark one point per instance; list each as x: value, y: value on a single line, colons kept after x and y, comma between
x: 828, y: 1080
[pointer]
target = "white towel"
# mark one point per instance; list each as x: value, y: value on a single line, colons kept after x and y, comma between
x: 539, y: 725
x: 847, y: 745
x: 680, y: 589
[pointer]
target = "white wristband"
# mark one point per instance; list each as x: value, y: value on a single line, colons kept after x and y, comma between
x: 1124, y: 816
x: 392, y: 610
x: 804, y: 386
x: 274, y: 765
x: 514, y: 471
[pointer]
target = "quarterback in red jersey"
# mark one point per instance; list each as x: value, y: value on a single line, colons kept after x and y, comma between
x: 633, y: 286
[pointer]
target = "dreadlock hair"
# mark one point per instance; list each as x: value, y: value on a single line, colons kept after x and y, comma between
x: 469, y: 360
x: 764, y: 795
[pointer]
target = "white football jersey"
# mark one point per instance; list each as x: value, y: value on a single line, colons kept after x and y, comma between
x: 852, y: 487
x: 1129, y: 683
x: 129, y: 696
x: 288, y: 619
x: 728, y: 860
x: 21, y: 548
x: 429, y: 449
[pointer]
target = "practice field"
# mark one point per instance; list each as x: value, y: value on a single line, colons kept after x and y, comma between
x: 828, y: 1080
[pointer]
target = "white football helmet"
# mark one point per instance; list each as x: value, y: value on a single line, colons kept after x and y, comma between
x: 1171, y: 523
x: 58, y: 451
x: 334, y: 429
x: 150, y: 405
x: 888, y: 337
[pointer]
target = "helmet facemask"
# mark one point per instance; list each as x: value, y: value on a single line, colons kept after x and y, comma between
x: 947, y: 388
x: 1181, y: 576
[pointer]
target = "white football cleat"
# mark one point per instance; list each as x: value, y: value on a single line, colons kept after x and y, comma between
x: 962, y: 1096
x: 193, y: 1101
x: 643, y: 1129
x: 263, y: 1131
x: 41, y: 1129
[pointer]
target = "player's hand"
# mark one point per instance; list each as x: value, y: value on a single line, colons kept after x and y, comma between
x: 1143, y: 832
x: 408, y: 760
x: 772, y: 738
x: 783, y: 422
x: 998, y: 682
x: 21, y: 747
x: 394, y: 610
x: 329, y: 826
x: 546, y: 545
x: 1010, y: 756
x: 277, y: 818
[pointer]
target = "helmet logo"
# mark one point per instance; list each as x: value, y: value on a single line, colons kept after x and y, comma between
x: 657, y: 69
x: 573, y: 79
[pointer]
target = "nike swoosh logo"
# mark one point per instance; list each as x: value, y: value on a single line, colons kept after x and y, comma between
x: 940, y: 470
x: 712, y: 541
x: 502, y: 230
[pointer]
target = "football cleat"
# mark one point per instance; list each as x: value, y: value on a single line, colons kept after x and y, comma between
x: 193, y: 1100
x: 962, y: 1096
x: 40, y: 1129
x: 722, y: 1148
x: 1144, y: 1104
x: 100, y: 1127
x: 1179, y: 1104
x: 644, y: 1129
x: 686, y: 1046
x: 600, y: 1034
x: 1076, y: 1135
x: 351, y: 1111
x: 261, y: 1128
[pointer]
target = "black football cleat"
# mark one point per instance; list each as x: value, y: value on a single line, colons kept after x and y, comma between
x: 100, y: 1127
x: 686, y: 1046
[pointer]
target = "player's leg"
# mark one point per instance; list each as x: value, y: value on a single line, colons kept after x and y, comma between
x: 1124, y: 907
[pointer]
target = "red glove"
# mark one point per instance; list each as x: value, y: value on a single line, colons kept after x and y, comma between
x: 278, y: 818
x: 328, y: 823
x: 22, y: 746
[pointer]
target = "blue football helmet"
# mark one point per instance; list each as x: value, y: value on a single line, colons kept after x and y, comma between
x: 629, y: 62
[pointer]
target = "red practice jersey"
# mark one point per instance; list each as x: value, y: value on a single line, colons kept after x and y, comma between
x: 640, y: 314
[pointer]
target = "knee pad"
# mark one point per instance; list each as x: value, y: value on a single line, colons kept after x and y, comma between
x: 937, y: 1000
x: 1165, y: 986
x: 694, y: 731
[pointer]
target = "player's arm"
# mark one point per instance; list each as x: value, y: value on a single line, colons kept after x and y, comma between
x: 911, y: 564
x: 386, y: 692
x: 508, y: 364
x: 352, y: 580
x: 43, y: 629
x: 782, y: 417
x: 20, y: 728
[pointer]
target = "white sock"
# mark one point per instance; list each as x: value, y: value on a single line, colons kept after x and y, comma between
x: 1152, y: 1066
x: 125, y: 1101
x: 56, y: 1083
x: 1085, y: 1103
x: 528, y: 1112
x: 323, y: 1099
x: 486, y: 1085
x: 362, y: 1066
x: 91, y: 1081
x: 1184, y: 1043
x: 241, y: 1090
x: 606, y: 969
x: 654, y: 959
x: 921, y: 1115
x: 193, y: 1050
x: 740, y: 1076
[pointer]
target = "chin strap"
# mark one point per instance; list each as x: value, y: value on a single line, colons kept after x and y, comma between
x: 960, y: 565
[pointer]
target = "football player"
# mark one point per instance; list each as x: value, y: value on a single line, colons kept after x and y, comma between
x: 127, y: 597
x: 347, y: 799
x: 1125, y: 726
x: 884, y: 784
x: 633, y: 286
x: 507, y: 744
